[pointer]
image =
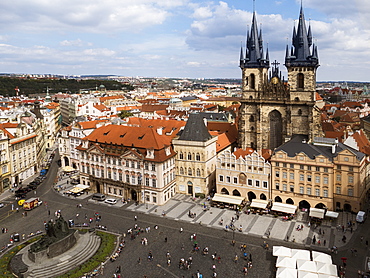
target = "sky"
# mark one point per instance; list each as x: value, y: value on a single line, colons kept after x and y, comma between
x: 176, y: 38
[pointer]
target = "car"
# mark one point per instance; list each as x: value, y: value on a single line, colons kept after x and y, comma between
x: 2, y: 205
x: 111, y: 201
x: 32, y: 187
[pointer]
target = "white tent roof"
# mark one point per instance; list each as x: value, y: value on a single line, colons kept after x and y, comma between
x: 286, y: 262
x: 308, y: 266
x: 327, y: 276
x: 262, y: 204
x: 305, y: 274
x: 332, y: 214
x: 316, y: 212
x: 284, y: 272
x: 321, y: 257
x: 281, y: 251
x: 329, y: 269
x: 301, y: 254
x: 286, y: 208
x: 235, y: 200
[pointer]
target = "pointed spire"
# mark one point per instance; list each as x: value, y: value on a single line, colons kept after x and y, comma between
x: 301, y: 43
x: 254, y: 57
x: 287, y: 52
x: 267, y: 55
x: 309, y: 37
x: 241, y: 56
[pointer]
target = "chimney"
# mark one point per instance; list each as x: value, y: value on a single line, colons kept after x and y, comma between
x: 159, y: 130
x: 205, y: 121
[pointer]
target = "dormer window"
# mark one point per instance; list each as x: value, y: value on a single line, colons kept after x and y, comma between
x: 150, y: 153
x: 168, y: 151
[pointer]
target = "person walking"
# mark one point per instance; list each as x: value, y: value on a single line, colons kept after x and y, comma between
x: 236, y: 258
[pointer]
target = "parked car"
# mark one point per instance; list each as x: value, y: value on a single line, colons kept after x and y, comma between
x: 2, y: 205
x: 111, y: 201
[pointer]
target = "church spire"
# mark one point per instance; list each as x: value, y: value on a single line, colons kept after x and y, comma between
x: 301, y: 44
x: 254, y: 52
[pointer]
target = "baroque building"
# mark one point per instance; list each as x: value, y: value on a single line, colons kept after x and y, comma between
x: 135, y: 163
x: 323, y: 174
x: 273, y: 109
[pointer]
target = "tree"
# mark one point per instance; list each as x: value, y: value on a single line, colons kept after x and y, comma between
x: 124, y: 114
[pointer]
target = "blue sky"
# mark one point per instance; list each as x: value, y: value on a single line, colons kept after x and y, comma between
x: 175, y: 38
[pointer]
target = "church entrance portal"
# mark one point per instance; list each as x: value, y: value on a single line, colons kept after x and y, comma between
x: 276, y: 129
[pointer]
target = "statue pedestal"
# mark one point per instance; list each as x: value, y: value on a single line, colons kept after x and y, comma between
x: 55, y: 249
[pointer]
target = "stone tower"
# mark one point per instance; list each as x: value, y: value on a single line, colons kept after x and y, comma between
x: 273, y: 109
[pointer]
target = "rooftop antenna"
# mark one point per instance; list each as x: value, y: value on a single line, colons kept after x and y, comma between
x: 254, y: 5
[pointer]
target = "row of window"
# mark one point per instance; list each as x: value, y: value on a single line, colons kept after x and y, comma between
x: 317, y: 191
x: 190, y: 172
x: 311, y: 168
x: 250, y: 182
x: 302, y: 167
x: 190, y: 156
x: 309, y: 178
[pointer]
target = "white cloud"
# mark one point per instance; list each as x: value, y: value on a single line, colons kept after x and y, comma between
x: 100, y: 16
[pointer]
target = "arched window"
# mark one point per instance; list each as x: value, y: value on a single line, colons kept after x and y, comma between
x: 300, y: 81
x: 190, y: 172
x: 251, y: 118
x: 181, y: 155
x: 252, y: 84
x: 300, y: 112
x: 198, y: 157
x: 198, y: 172
x: 181, y: 171
x: 189, y: 156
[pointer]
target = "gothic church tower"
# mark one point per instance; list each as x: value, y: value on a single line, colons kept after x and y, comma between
x: 273, y: 109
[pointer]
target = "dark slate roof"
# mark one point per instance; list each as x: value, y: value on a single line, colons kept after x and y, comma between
x: 301, y: 54
x: 195, y: 129
x: 296, y: 145
x: 188, y: 98
x: 214, y: 116
x: 254, y: 57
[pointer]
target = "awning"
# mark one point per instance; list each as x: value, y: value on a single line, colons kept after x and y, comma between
x: 262, y: 204
x: 332, y: 214
x: 316, y: 212
x: 286, y: 208
x: 68, y: 169
x: 79, y: 188
x: 235, y: 200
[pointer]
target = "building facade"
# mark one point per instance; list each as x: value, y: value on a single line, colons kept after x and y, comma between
x: 272, y: 109
x: 133, y: 163
x: 196, y: 158
x: 321, y: 174
x: 243, y: 173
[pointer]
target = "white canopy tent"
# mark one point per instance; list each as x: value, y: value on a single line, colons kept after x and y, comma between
x: 286, y: 262
x: 301, y: 254
x: 329, y: 269
x: 78, y: 188
x: 317, y: 213
x: 281, y: 251
x: 286, y: 208
x: 305, y: 274
x: 327, y: 276
x: 262, y: 204
x: 321, y: 257
x: 308, y: 266
x: 332, y: 214
x: 229, y: 199
x: 285, y: 272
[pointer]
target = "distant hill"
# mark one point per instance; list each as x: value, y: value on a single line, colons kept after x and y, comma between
x: 29, y: 86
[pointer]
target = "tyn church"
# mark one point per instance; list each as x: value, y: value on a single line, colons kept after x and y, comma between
x: 273, y: 109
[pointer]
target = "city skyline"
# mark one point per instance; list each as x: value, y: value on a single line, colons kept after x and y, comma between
x: 180, y: 38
